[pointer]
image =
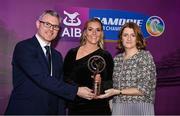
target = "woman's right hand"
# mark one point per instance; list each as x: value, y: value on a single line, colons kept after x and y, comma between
x: 109, y: 93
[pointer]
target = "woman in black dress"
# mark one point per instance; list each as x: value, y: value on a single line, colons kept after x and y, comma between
x: 76, y: 70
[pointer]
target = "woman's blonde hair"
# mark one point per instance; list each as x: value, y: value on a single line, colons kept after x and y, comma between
x: 83, y: 36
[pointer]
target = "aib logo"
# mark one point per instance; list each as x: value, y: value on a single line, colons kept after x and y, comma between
x: 71, y: 19
x: 155, y: 26
x: 71, y: 22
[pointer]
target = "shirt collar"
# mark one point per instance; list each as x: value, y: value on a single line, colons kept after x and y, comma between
x: 42, y: 42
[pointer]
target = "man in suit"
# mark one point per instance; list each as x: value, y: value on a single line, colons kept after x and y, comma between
x: 38, y: 87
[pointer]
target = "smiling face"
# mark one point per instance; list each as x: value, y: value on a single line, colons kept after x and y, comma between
x: 46, y: 32
x: 129, y: 38
x: 93, y: 33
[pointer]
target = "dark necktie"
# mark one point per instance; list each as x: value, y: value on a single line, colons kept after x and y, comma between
x: 48, y: 57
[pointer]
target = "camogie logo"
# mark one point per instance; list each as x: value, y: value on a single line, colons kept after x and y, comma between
x: 155, y: 26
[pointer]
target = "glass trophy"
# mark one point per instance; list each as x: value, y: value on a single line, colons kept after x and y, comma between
x: 96, y: 65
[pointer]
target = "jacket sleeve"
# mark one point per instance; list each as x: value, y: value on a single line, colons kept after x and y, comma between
x: 146, y: 75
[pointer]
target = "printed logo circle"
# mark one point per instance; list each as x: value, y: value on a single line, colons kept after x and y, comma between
x: 155, y: 26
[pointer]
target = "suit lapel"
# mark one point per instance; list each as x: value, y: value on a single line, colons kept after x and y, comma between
x: 41, y: 58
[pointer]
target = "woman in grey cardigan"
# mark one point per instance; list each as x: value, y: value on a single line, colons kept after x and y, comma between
x: 134, y: 76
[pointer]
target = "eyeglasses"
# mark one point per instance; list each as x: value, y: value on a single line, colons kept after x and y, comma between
x: 49, y: 25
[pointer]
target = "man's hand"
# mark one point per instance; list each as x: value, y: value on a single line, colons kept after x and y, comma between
x: 85, y: 93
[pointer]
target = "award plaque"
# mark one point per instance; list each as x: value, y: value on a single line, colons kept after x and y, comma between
x: 96, y: 65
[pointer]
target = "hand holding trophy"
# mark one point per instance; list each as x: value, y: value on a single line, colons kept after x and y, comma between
x: 96, y: 64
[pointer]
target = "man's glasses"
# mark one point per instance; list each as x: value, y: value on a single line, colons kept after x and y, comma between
x: 49, y: 25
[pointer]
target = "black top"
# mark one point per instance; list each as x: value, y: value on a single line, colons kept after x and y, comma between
x: 76, y: 71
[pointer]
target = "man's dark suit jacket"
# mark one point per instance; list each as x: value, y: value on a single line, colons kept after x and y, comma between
x: 34, y: 90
